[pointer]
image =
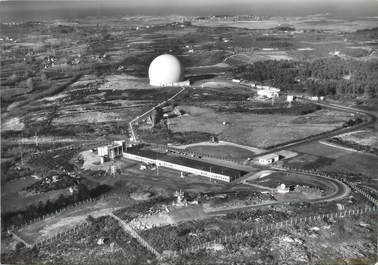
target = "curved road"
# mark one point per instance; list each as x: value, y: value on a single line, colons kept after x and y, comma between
x: 339, y: 189
x: 371, y: 120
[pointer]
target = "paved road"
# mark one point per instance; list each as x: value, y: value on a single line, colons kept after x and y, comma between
x: 339, y: 189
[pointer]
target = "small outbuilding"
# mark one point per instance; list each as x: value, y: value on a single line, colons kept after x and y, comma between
x: 269, y: 92
x: 268, y: 159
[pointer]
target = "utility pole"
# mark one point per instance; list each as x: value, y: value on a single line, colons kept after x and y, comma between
x: 21, y: 154
x: 36, y: 139
x: 210, y: 173
x: 20, y: 146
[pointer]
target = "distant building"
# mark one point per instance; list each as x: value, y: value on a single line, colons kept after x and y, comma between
x: 290, y: 98
x: 213, y: 139
x: 182, y: 83
x: 269, y: 92
x: 335, y: 53
x: 268, y: 159
x: 112, y: 150
x: 316, y: 98
x: 282, y: 189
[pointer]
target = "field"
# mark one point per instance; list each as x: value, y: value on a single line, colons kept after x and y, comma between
x: 250, y: 129
x: 361, y: 141
x: 124, y: 82
x: 369, y: 138
x: 82, y: 247
x: 244, y: 58
x: 67, y: 219
x: 337, y: 159
x: 164, y: 182
x: 225, y: 151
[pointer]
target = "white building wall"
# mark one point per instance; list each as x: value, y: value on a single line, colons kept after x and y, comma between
x: 267, y: 93
x: 102, y: 151
x: 178, y: 167
x: 268, y: 160
x: 139, y: 158
x: 182, y: 83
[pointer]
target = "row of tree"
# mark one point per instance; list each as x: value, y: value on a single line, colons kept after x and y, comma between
x: 33, y: 211
x: 336, y: 77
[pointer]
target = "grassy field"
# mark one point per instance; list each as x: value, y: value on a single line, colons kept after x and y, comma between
x: 164, y: 183
x: 244, y: 58
x: 67, y: 219
x: 336, y: 159
x: 251, y: 129
x: 124, y: 82
x: 226, y: 151
x: 82, y: 247
x: 355, y: 163
x: 367, y: 137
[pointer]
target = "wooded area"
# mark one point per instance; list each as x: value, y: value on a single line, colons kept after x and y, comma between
x: 335, y: 77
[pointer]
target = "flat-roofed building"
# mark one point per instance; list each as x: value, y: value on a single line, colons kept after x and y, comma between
x: 268, y: 159
x: 269, y: 92
x: 183, y: 164
x: 112, y: 150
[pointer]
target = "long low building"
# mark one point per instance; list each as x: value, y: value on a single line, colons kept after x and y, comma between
x: 183, y: 164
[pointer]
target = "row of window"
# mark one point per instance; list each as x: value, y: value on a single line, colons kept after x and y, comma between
x: 179, y: 167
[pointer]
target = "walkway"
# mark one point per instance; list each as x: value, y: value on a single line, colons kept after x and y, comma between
x: 19, y: 239
x: 207, y: 143
x: 128, y: 229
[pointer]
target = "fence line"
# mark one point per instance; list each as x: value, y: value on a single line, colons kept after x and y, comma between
x: 128, y: 229
x: 73, y: 230
x: 258, y: 230
x: 60, y: 210
x: 261, y: 229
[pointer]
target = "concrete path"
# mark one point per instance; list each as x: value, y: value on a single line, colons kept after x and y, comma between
x: 258, y: 186
x: 128, y: 229
x: 206, y: 143
x: 19, y: 239
x: 346, y: 148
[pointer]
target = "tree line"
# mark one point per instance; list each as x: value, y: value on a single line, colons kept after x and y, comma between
x: 33, y: 211
x: 335, y: 77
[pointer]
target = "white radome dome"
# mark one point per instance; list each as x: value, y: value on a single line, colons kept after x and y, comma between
x: 165, y: 70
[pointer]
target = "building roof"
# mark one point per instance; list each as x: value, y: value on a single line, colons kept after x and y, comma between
x: 268, y: 156
x: 184, y: 161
